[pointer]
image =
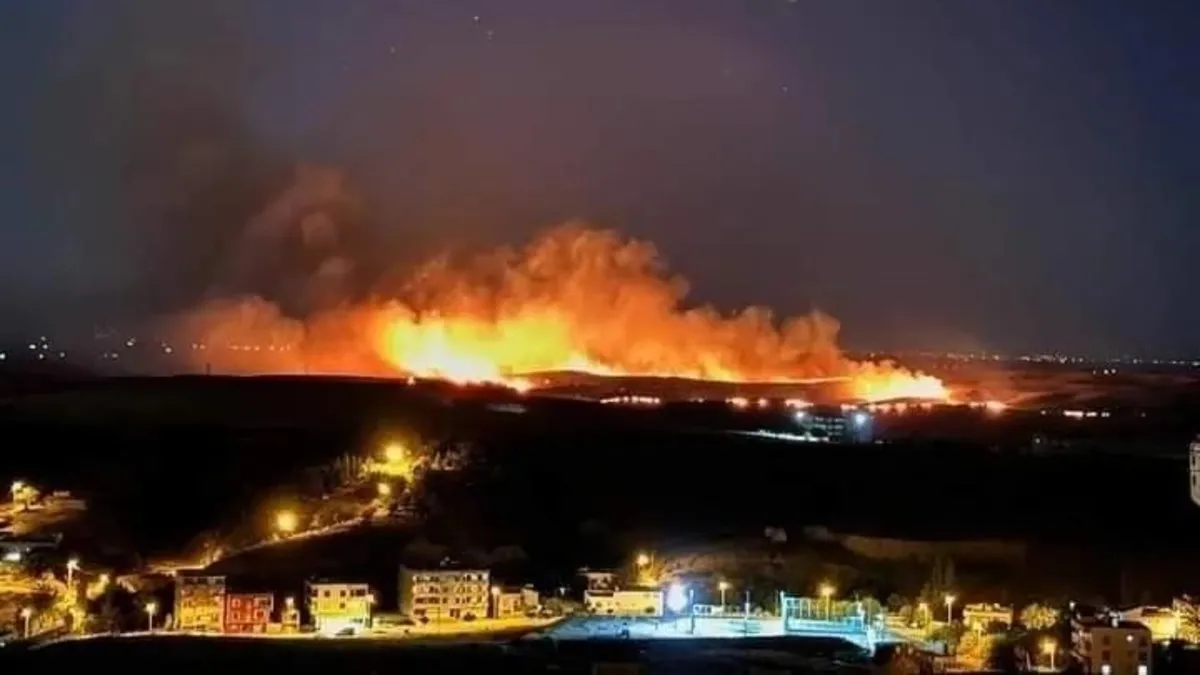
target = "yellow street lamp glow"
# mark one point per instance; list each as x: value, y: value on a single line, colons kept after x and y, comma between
x: 643, y: 559
x: 26, y: 612
x: 393, y: 452
x: 73, y: 564
x: 826, y: 590
x: 384, y: 489
x: 286, y: 521
x: 495, y: 591
x: 1049, y: 646
x: 723, y: 586
x: 103, y: 580
x: 151, y: 607
x: 289, y: 601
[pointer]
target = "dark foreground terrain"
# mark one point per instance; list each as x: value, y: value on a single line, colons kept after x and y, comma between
x: 351, y: 657
x: 578, y: 483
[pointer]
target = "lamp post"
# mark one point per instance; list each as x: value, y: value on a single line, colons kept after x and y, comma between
x: 827, y: 591
x: 151, y: 608
x: 723, y: 586
x: 72, y: 567
x: 26, y: 613
x: 950, y: 608
x: 495, y: 593
x: 1049, y: 647
x: 285, y: 522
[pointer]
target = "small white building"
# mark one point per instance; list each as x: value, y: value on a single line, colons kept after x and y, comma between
x: 338, y: 607
x: 1194, y: 454
x: 627, y: 602
x: 980, y: 616
x: 1162, y: 622
x: 1112, y: 647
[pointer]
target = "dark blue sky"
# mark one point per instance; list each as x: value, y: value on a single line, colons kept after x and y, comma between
x: 937, y: 174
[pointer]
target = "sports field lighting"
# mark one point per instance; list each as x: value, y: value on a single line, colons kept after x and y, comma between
x: 677, y: 597
x: 827, y: 590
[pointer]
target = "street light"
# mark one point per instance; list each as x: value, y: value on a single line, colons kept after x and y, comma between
x: 495, y: 593
x: 285, y: 521
x: 723, y: 586
x: 826, y: 590
x: 104, y: 578
x: 643, y: 559
x: 1049, y: 647
x: 26, y: 613
x: 72, y: 567
x: 151, y: 608
x: 923, y: 608
x: 384, y: 489
x: 393, y: 453
x: 17, y: 487
x: 950, y: 608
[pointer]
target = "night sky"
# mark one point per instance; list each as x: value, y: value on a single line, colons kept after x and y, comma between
x: 1008, y: 175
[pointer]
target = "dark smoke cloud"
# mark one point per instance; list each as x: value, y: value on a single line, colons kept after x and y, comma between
x: 144, y: 175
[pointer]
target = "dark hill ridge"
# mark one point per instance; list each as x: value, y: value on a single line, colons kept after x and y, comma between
x: 161, y: 459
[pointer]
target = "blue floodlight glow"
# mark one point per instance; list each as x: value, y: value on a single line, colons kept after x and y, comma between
x: 860, y: 419
x: 677, y: 597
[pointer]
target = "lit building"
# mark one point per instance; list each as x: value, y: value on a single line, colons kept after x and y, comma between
x: 981, y: 616
x: 509, y: 602
x: 836, y: 425
x: 1111, y: 647
x: 1162, y: 622
x: 1194, y: 454
x: 626, y: 602
x: 200, y: 603
x: 337, y: 607
x: 444, y: 594
x: 248, y: 612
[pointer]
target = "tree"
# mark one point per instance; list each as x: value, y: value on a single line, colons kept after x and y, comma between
x: 1188, y: 611
x: 1038, y: 617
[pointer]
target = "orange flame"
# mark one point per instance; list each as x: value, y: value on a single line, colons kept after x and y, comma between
x: 574, y: 299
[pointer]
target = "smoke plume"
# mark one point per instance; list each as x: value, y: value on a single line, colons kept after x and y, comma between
x: 573, y: 298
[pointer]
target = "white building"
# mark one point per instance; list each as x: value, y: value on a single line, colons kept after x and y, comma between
x: 340, y: 607
x: 1112, y: 647
x: 981, y: 616
x: 1162, y: 622
x: 1195, y: 470
x: 444, y: 594
x: 628, y: 602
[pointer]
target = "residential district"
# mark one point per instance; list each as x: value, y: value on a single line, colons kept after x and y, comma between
x: 47, y: 595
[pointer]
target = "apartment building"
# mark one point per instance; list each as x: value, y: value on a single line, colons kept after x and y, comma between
x: 248, y: 612
x: 1111, y: 646
x: 444, y: 594
x: 200, y: 603
x: 340, y: 607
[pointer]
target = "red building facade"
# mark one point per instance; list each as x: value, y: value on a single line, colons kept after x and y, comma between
x: 248, y: 612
